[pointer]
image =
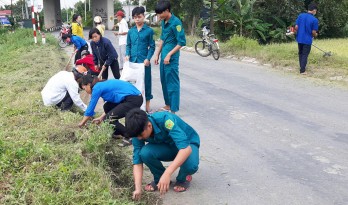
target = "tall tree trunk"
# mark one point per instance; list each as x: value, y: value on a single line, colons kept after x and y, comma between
x: 211, y: 16
x: 193, y: 25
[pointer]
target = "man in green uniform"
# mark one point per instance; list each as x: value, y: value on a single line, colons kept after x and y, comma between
x: 140, y: 48
x: 168, y: 138
x: 172, y: 39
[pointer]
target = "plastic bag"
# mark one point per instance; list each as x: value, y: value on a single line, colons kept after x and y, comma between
x: 134, y: 73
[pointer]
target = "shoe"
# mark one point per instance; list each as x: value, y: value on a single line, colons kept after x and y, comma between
x: 304, y: 73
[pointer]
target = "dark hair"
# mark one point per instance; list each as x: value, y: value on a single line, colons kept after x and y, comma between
x: 74, y: 17
x: 90, y: 79
x: 93, y: 31
x: 312, y: 6
x: 138, y: 10
x: 162, y: 6
x: 136, y: 121
x: 65, y: 36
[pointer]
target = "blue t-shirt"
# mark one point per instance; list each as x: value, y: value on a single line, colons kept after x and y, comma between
x: 78, y: 42
x: 111, y: 91
x: 306, y: 23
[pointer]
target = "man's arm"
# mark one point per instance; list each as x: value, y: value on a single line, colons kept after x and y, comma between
x: 183, y: 154
x: 314, y: 33
x: 159, y: 49
x: 138, y: 178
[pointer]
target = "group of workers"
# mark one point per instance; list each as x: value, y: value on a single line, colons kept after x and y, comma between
x: 155, y: 136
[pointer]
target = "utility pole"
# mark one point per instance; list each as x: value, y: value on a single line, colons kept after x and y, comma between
x: 212, y: 16
x: 11, y: 10
x: 89, y: 5
x: 85, y: 10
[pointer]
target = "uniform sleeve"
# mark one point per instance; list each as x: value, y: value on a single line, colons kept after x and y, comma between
x: 73, y: 91
x: 178, y: 30
x: 152, y: 46
x: 96, y: 93
x: 179, y: 137
x: 137, y: 146
x: 129, y: 45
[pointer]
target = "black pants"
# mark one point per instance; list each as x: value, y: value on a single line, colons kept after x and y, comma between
x: 303, y: 52
x: 115, y: 111
x: 115, y: 70
x: 78, y: 53
x: 66, y: 103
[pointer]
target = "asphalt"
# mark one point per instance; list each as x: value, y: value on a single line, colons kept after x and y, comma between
x: 267, y: 137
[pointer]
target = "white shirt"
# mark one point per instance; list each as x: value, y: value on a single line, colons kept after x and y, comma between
x: 123, y: 27
x: 57, y: 86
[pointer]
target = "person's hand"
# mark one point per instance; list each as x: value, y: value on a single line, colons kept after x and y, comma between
x: 126, y: 58
x: 163, y: 184
x: 96, y: 67
x: 156, y: 60
x: 81, y: 124
x: 97, y: 120
x: 166, y: 59
x: 116, y: 33
x: 137, y: 194
x: 146, y: 62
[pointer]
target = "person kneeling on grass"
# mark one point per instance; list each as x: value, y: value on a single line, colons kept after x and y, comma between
x: 62, y: 89
x: 120, y: 97
x: 169, y: 139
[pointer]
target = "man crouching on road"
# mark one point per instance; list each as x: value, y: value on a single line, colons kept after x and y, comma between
x: 169, y: 139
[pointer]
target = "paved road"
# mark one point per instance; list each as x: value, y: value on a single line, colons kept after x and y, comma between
x: 266, y: 137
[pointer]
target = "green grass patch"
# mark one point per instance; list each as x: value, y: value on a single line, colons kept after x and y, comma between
x: 44, y: 157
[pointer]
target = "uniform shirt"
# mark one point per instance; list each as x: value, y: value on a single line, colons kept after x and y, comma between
x: 78, y: 42
x: 101, y: 28
x: 172, y: 35
x: 123, y: 27
x: 113, y: 91
x: 77, y: 29
x: 140, y: 44
x: 306, y: 23
x: 57, y: 86
x: 168, y: 128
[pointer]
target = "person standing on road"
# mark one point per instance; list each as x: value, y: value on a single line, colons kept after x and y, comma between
x: 172, y: 39
x: 162, y: 136
x: 122, y: 33
x: 104, y: 53
x: 306, y: 29
x: 79, y: 43
x: 76, y: 26
x: 141, y: 47
x: 98, y: 21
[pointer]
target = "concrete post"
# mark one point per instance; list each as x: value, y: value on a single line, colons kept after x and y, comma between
x: 104, y: 9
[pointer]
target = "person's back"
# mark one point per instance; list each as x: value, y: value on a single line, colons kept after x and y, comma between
x: 306, y: 23
x: 56, y: 87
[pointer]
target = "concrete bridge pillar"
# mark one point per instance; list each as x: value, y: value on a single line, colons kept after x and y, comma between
x: 105, y: 9
x: 52, y: 13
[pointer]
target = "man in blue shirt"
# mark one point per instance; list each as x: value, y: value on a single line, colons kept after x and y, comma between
x: 306, y: 28
x: 162, y: 136
x: 119, y: 97
x: 79, y: 43
x: 140, y: 48
x: 172, y: 39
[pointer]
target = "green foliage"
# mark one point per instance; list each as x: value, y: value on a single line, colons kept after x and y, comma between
x: 44, y: 157
x: 240, y: 44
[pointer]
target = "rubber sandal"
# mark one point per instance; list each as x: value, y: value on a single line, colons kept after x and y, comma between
x: 185, y: 184
x: 153, y: 186
x: 163, y: 110
x: 125, y: 143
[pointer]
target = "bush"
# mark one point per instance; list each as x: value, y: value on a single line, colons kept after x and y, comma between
x: 239, y: 45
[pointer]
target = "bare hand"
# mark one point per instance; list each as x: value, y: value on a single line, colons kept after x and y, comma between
x: 81, y: 124
x: 97, y: 120
x: 163, y: 184
x: 126, y: 58
x: 137, y: 195
x: 156, y: 60
x: 166, y: 60
x: 116, y: 33
x: 146, y: 62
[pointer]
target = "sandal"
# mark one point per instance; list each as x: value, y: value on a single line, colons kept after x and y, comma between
x: 151, y: 187
x: 184, y: 185
x: 163, y: 109
x: 125, y: 143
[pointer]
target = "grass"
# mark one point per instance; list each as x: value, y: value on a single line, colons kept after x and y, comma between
x: 44, y: 157
x: 285, y: 56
